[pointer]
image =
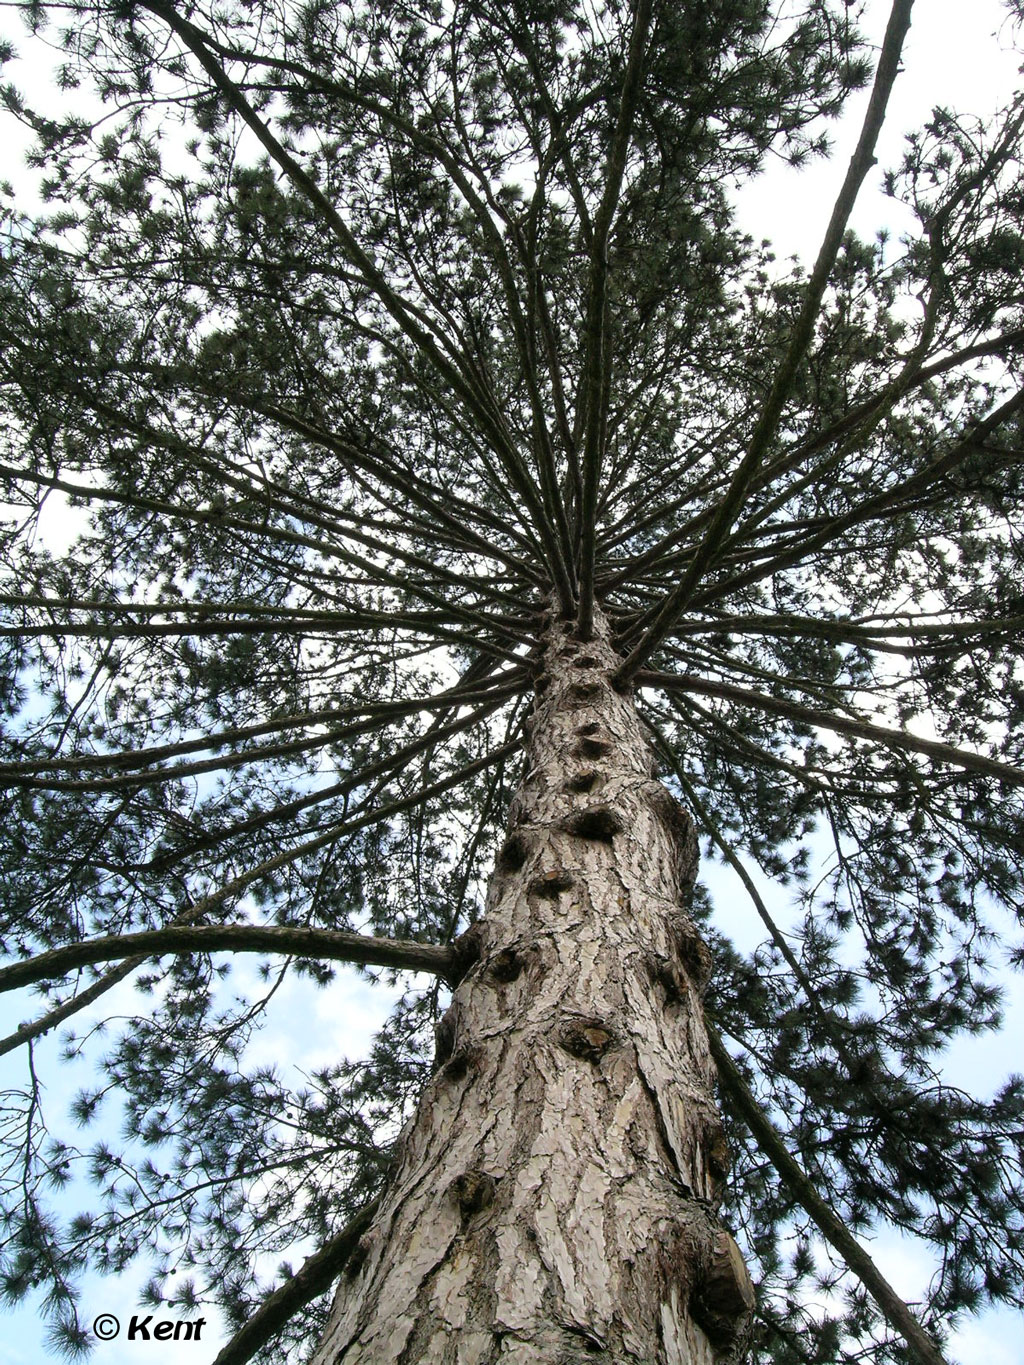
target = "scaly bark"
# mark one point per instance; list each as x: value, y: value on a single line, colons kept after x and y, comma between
x: 554, y: 1196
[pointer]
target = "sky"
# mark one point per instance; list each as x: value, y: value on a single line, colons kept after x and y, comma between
x: 958, y: 55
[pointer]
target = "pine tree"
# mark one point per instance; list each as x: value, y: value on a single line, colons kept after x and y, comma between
x: 462, y: 519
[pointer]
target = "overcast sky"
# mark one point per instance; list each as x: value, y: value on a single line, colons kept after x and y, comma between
x: 959, y: 54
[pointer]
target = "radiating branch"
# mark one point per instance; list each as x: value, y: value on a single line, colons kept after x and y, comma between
x: 371, y: 715
x: 383, y: 771
x: 846, y: 631
x: 841, y: 725
x: 424, y: 336
x: 595, y: 378
x: 917, y: 492
x: 767, y: 424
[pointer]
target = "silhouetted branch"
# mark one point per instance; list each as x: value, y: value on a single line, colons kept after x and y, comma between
x: 295, y: 941
x: 842, y: 725
x: 803, y: 330
x: 832, y: 1228
x: 316, y: 1274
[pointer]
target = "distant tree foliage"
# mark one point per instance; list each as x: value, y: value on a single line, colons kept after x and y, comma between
x: 352, y: 338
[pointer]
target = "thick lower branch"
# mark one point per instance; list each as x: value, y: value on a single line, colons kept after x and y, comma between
x: 316, y: 1274
x: 334, y: 944
x: 835, y: 1232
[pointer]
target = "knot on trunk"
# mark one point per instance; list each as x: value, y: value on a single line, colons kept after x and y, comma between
x: 357, y: 1259
x: 584, y: 780
x: 723, y: 1298
x: 461, y: 1063
x: 589, y: 742
x: 680, y: 825
x: 692, y: 965
x: 694, y: 955
x: 513, y: 853
x: 473, y: 1191
x: 467, y: 951
x: 445, y: 1033
x: 506, y: 965
x: 550, y: 885
x: 582, y: 693
x: 716, y: 1152
x: 596, y: 822
x: 586, y: 1038
x: 451, y: 1061
x: 670, y: 976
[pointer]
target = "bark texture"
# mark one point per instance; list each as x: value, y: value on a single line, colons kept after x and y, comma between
x: 554, y: 1197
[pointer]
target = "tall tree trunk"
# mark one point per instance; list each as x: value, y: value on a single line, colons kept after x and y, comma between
x: 554, y: 1197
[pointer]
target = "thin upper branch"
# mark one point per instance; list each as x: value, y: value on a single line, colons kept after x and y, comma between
x: 594, y: 381
x: 450, y: 368
x: 733, y: 500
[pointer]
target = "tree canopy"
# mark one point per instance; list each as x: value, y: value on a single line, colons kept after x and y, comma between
x: 352, y: 339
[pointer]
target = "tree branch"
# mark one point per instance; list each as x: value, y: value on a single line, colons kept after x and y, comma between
x: 842, y: 725
x: 375, y: 573
x: 777, y: 936
x: 34, y: 1028
x: 334, y: 944
x: 464, y: 693
x: 481, y: 405
x: 903, y: 497
x: 316, y: 1274
x: 835, y: 1232
x: 803, y: 330
x: 594, y: 380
